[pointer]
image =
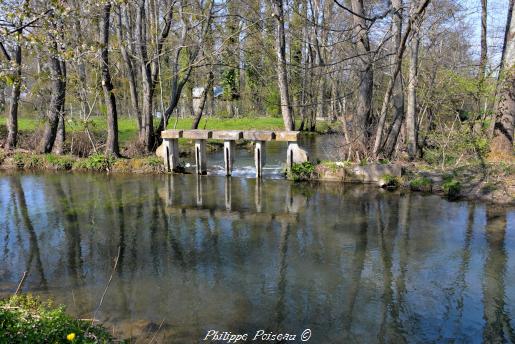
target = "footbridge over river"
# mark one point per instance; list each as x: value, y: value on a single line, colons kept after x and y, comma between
x: 171, y: 138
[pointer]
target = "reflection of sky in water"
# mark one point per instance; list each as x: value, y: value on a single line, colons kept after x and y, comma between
x: 352, y: 263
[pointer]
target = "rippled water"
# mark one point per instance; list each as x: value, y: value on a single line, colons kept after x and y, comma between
x: 350, y: 263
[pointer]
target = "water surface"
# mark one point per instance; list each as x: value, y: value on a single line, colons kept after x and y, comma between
x: 351, y: 263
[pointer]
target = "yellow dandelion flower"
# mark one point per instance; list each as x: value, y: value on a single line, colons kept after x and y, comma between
x: 71, y: 337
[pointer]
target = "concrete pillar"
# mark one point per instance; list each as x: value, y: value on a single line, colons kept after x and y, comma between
x: 228, y: 193
x: 171, y: 154
x: 200, y: 156
x: 229, y: 149
x: 289, y: 155
x: 259, y: 157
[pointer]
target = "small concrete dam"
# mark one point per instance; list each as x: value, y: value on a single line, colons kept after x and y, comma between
x: 293, y: 153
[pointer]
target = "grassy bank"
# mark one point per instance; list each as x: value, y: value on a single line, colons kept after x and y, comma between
x: 20, y: 160
x: 128, y: 129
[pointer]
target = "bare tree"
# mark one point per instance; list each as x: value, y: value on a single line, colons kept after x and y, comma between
x: 12, y: 119
x: 411, y: 113
x: 150, y: 68
x: 282, y: 77
x: 54, y: 113
x: 132, y: 73
x: 414, y: 18
x: 362, y: 119
x: 398, y: 89
x: 502, y: 141
x: 107, y: 85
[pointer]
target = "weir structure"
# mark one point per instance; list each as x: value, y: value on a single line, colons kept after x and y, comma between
x: 259, y: 137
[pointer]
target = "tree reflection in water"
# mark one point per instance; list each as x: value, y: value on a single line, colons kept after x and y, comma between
x: 351, y: 263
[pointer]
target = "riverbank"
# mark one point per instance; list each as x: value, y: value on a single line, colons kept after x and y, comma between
x: 490, y: 182
x: 27, y: 319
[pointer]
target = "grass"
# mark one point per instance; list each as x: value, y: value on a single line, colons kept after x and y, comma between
x: 420, y: 183
x: 128, y: 129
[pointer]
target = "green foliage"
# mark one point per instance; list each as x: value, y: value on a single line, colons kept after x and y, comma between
x: 230, y: 84
x: 451, y: 186
x: 19, y: 160
x: 452, y: 147
x: 96, y: 162
x: 60, y: 162
x: 27, y: 160
x: 26, y: 319
x: 390, y: 182
x: 154, y: 161
x: 420, y: 183
x: 272, y: 102
x: 301, y: 171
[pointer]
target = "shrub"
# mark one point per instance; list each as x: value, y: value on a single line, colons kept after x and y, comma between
x: 445, y: 147
x: 33, y: 161
x: 96, y: 162
x: 390, y: 182
x: 19, y: 160
x: 154, y: 161
x: 60, y: 162
x: 301, y: 171
x: 451, y: 187
x: 420, y: 183
x: 26, y: 319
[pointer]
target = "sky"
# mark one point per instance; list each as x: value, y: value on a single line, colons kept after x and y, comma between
x: 496, y: 23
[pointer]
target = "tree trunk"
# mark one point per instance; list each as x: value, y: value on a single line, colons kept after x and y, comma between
x: 107, y: 86
x: 198, y: 115
x: 56, y: 105
x: 12, y: 120
x: 147, y: 126
x: 415, y: 19
x: 282, y: 77
x: 411, y: 113
x: 131, y: 72
x: 363, y: 115
x: 398, y: 91
x: 502, y: 142
x: 484, y: 49
x: 81, y: 71
x: 61, y: 129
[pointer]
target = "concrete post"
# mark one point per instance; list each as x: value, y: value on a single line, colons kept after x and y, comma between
x: 229, y: 149
x: 200, y: 156
x: 171, y: 154
x: 259, y: 157
x: 289, y: 155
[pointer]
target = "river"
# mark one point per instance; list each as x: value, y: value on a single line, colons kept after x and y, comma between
x: 348, y: 262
